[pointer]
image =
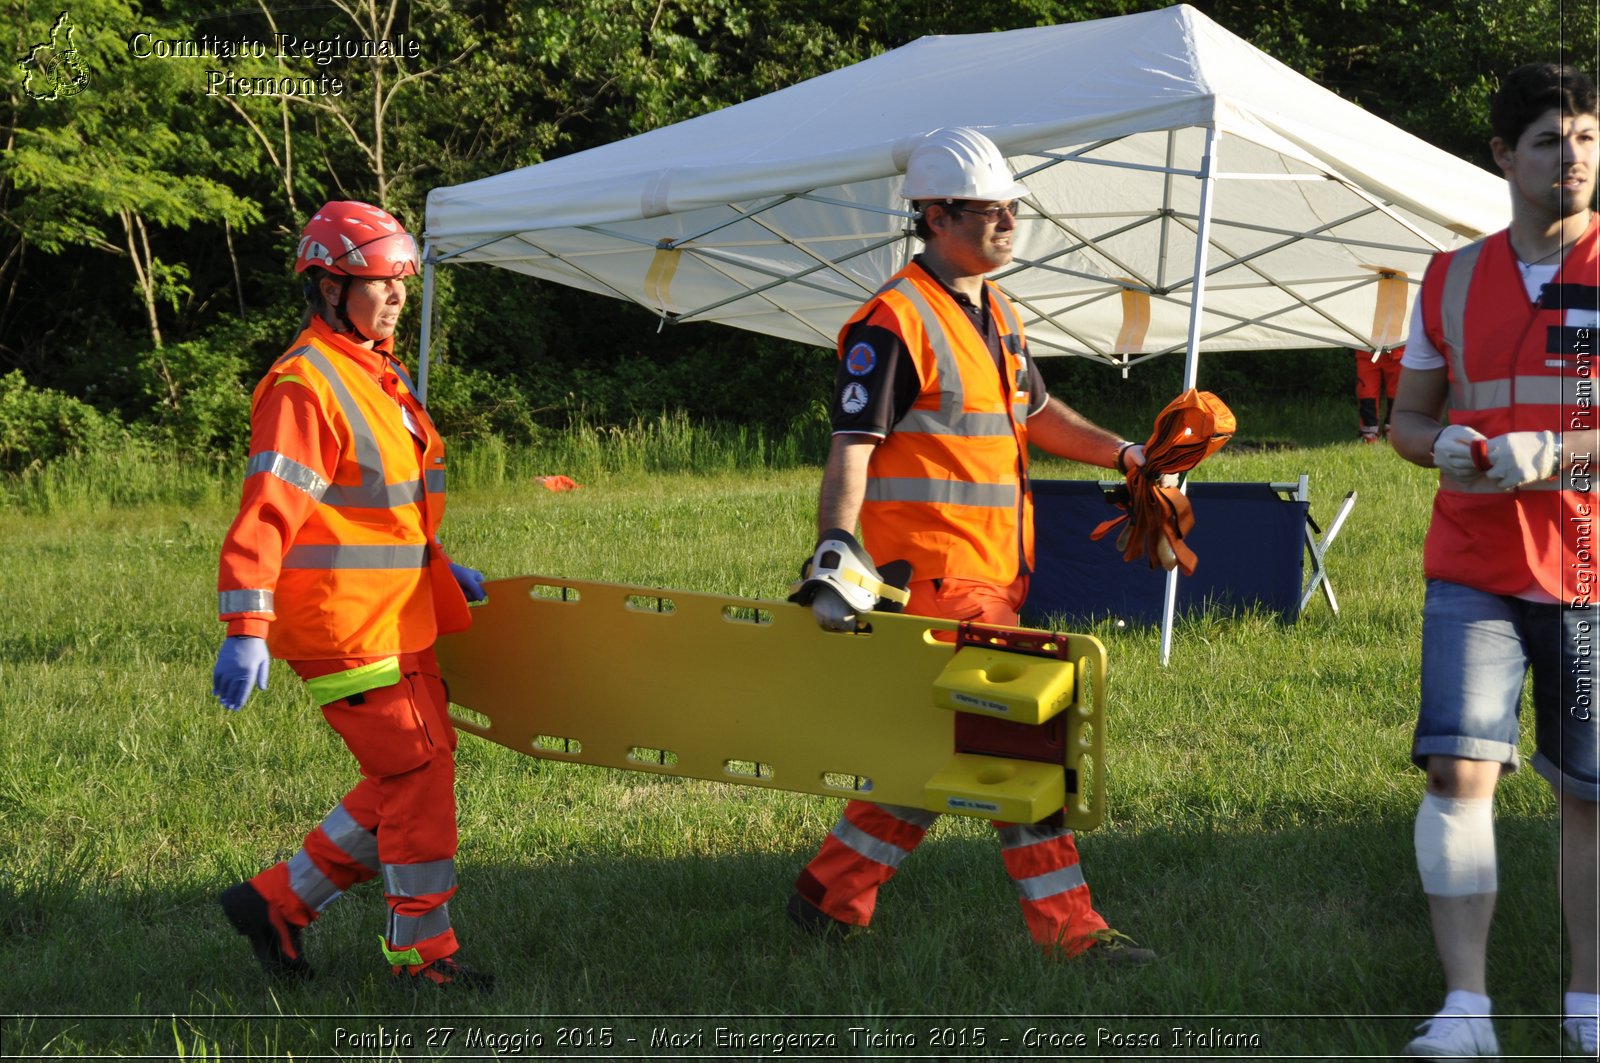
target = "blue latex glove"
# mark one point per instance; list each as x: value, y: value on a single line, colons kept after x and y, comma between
x: 241, y: 662
x: 470, y: 580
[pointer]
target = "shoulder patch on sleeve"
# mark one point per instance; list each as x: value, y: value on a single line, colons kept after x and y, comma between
x: 854, y: 398
x: 860, y: 359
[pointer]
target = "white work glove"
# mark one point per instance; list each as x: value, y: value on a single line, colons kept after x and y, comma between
x: 1164, y: 554
x: 833, y: 613
x: 1518, y: 458
x: 1452, y: 451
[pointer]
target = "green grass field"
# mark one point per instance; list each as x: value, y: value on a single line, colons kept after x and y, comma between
x: 1259, y: 836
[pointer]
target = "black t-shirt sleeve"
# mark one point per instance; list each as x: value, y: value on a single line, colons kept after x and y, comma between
x: 1037, y: 394
x: 875, y: 383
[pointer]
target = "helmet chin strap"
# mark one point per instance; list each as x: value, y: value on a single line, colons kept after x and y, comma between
x: 343, y: 315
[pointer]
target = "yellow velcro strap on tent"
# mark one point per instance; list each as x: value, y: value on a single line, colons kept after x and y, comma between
x: 658, y: 278
x: 1135, y: 320
x: 1389, y: 318
x: 330, y: 688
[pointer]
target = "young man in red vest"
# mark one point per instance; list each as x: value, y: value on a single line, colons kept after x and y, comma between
x: 935, y: 403
x: 333, y: 564
x: 1504, y: 334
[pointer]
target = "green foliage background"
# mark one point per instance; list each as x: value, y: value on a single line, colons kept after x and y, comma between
x: 146, y: 226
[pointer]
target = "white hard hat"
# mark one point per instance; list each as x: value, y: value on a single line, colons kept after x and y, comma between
x: 958, y: 163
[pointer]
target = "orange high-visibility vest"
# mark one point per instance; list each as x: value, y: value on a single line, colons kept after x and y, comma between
x: 948, y: 489
x: 1514, y: 366
x: 335, y: 540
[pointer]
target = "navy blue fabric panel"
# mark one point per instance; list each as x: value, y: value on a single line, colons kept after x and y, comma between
x: 1250, y: 542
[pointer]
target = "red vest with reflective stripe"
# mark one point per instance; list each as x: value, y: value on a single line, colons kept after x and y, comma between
x: 1514, y: 366
x: 361, y: 576
x: 948, y: 489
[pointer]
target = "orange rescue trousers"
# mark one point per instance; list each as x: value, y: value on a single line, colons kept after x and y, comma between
x: 399, y: 821
x: 868, y: 844
x: 1376, y: 380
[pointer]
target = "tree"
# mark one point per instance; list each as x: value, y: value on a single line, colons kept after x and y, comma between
x: 126, y: 150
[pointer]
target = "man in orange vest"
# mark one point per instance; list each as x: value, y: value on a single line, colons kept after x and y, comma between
x: 935, y: 403
x: 333, y: 564
x: 1503, y: 334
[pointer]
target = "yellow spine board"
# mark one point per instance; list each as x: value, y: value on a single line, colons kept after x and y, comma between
x: 738, y: 690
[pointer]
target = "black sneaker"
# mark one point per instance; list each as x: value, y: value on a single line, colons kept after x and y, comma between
x: 816, y: 922
x: 275, y: 939
x: 445, y: 973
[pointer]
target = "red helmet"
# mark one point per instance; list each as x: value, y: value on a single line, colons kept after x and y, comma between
x: 356, y: 240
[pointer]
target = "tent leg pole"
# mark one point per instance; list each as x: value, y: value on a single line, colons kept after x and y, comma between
x: 427, y: 326
x: 1191, y: 361
x: 1208, y: 183
x: 1169, y: 606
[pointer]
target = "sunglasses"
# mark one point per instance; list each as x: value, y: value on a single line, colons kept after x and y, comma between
x: 992, y: 214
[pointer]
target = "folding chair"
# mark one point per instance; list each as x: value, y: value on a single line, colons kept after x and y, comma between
x: 1300, y: 491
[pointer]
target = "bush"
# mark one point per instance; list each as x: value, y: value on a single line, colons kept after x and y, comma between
x: 199, y: 390
x: 38, y: 425
x: 474, y: 404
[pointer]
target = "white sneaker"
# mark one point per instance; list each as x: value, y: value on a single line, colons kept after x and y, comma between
x: 1582, y: 1033
x: 1452, y: 1034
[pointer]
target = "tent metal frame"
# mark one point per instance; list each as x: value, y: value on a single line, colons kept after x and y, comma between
x: 723, y: 259
x: 1188, y: 291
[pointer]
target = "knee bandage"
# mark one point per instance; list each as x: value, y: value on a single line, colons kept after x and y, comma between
x: 1455, y: 846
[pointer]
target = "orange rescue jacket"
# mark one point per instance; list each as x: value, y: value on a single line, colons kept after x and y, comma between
x: 947, y: 490
x: 1514, y: 366
x: 334, y: 552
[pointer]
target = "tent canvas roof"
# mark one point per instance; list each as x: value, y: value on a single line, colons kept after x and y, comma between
x: 1133, y: 134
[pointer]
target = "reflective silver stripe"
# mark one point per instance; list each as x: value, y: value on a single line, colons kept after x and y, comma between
x: 316, y: 555
x: 354, y: 840
x: 1526, y: 391
x: 1050, y: 884
x: 1018, y: 346
x: 1480, y: 395
x: 435, y: 481
x: 860, y: 842
x: 406, y: 930
x: 1453, y: 317
x: 950, y: 420
x: 1485, y: 486
x: 244, y: 602
x: 400, y: 371
x: 419, y: 880
x: 289, y: 471
x: 917, y: 817
x: 1007, y: 311
x: 382, y: 496
x: 943, y: 492
x: 940, y: 423
x: 1019, y: 836
x: 310, y: 884
x: 372, y: 492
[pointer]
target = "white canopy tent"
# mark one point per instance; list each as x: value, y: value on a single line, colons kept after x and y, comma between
x: 1187, y: 193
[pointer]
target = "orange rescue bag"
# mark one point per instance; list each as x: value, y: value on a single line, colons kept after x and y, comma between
x: 1190, y: 429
